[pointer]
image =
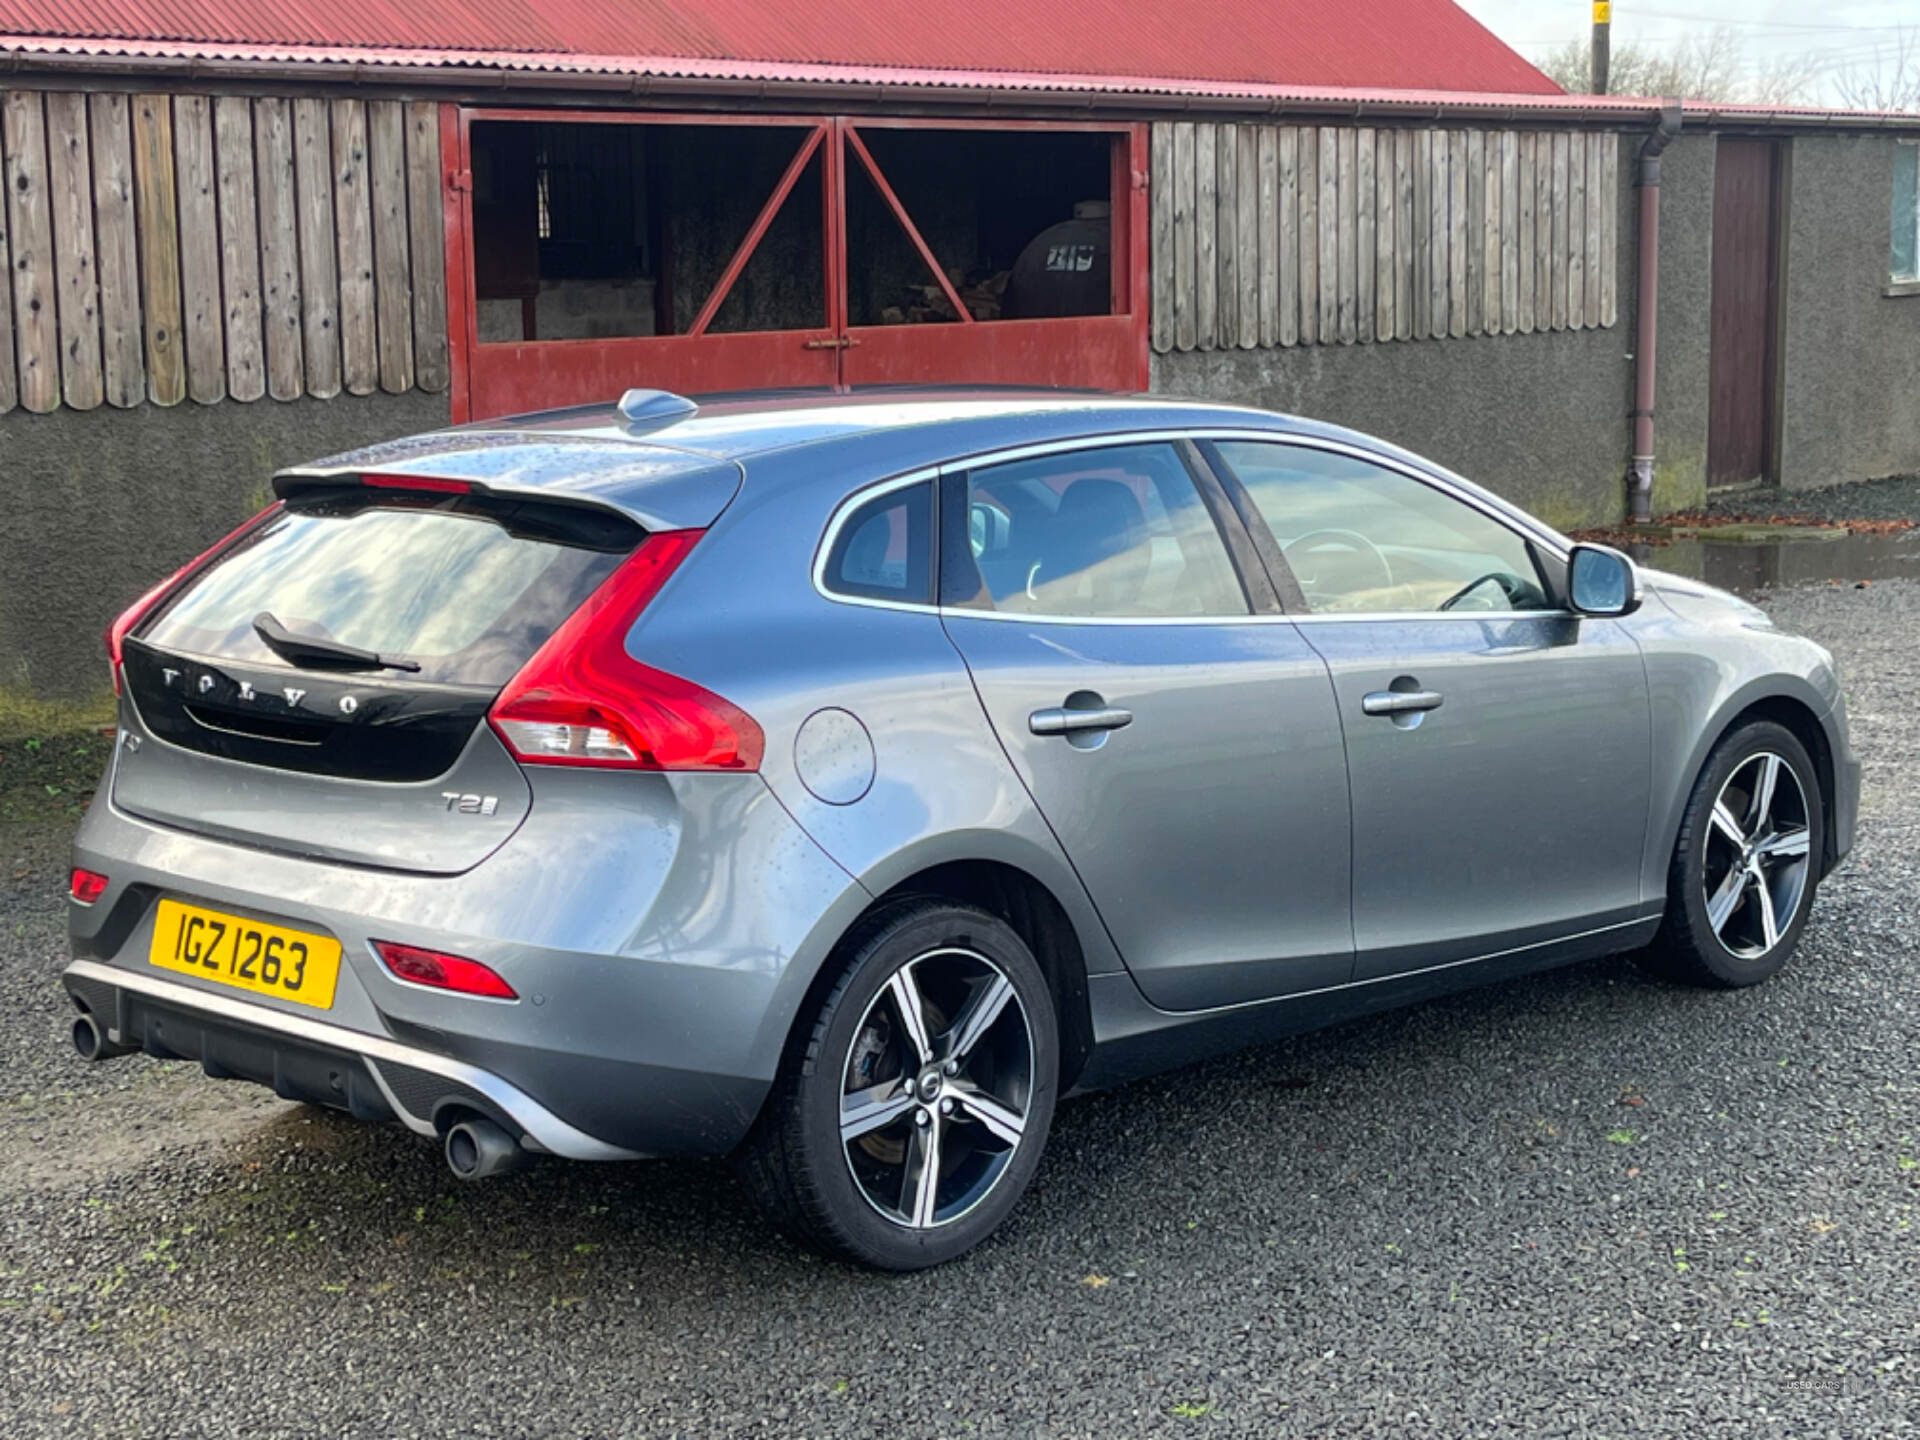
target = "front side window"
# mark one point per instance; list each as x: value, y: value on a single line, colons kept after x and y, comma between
x: 1361, y: 538
x: 1119, y: 531
x: 1905, y: 262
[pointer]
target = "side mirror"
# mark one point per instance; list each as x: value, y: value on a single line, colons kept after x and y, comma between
x: 1602, y: 581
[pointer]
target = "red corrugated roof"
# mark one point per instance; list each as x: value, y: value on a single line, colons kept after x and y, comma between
x: 1394, y: 44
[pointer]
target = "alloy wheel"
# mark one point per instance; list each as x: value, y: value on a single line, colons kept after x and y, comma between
x: 936, y: 1087
x: 1757, y: 854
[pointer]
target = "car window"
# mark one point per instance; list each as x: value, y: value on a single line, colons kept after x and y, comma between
x: 1115, y: 531
x: 464, y: 588
x: 884, y: 551
x: 1360, y: 537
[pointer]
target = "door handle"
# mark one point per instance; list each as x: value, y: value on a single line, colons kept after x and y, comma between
x: 1061, y: 721
x: 1400, y: 702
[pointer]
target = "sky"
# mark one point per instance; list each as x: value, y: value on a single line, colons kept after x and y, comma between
x: 1837, y: 31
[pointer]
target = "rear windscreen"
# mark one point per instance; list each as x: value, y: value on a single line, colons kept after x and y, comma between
x: 465, y: 588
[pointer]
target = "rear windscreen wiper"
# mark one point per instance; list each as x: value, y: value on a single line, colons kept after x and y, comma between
x: 312, y: 653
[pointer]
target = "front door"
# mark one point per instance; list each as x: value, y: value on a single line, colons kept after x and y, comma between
x: 1741, y: 365
x: 1187, y: 755
x: 1498, y: 748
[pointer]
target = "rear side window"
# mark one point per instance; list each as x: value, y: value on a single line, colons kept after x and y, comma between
x: 1110, y: 532
x: 884, y: 549
x: 466, y: 589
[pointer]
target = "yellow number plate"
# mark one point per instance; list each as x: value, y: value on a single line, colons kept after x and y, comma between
x: 266, y: 959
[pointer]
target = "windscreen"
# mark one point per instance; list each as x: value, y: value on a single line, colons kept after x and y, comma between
x: 465, y: 588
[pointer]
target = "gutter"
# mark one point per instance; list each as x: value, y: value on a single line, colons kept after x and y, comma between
x: 1646, y: 315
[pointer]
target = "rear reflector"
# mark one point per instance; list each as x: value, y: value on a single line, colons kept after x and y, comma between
x: 87, y: 886
x: 583, y: 700
x: 123, y: 626
x: 442, y: 971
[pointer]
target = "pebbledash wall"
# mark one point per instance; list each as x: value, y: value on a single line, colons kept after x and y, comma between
x: 1851, y: 367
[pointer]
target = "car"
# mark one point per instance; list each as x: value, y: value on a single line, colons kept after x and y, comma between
x: 834, y: 782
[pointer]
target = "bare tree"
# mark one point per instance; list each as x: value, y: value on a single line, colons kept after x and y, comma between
x: 1890, y: 80
x: 1707, y: 65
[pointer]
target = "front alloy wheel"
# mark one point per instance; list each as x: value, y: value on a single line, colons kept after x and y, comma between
x: 1746, y: 862
x: 909, y: 1114
x: 1754, y: 872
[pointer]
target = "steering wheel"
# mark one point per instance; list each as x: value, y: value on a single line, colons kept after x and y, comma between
x: 1510, y: 586
x: 1340, y: 542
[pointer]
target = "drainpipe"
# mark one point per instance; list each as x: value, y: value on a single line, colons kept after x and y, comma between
x: 1640, y: 478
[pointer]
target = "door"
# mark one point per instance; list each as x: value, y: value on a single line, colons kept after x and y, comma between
x: 722, y: 223
x: 1187, y: 754
x: 1498, y: 748
x: 1741, y: 366
x: 592, y: 251
x: 927, y: 203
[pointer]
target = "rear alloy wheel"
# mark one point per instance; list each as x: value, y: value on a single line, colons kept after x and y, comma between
x: 914, y: 1118
x: 1746, y: 863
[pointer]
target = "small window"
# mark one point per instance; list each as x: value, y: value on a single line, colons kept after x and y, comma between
x: 1115, y: 531
x: 1361, y: 538
x: 1905, y: 260
x: 884, y: 550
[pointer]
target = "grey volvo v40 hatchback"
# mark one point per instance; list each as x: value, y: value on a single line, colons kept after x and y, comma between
x: 834, y: 782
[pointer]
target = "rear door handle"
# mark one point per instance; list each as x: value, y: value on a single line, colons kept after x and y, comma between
x: 1061, y: 721
x: 1400, y: 702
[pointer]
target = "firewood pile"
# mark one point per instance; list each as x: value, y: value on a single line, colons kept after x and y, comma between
x: 929, y: 305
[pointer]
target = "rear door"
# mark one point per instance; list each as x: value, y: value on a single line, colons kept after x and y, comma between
x: 1185, y: 750
x: 392, y: 764
x: 1498, y: 747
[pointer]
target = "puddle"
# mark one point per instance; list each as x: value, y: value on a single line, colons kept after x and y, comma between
x: 1751, y: 567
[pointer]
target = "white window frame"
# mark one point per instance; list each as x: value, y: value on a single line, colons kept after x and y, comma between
x: 1906, y: 152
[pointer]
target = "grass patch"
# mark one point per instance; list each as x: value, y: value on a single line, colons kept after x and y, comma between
x: 50, y: 774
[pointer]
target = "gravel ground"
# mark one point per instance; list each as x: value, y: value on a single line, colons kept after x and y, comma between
x: 1894, y: 499
x: 1582, y: 1203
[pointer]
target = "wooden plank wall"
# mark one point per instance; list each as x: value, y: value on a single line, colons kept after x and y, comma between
x: 1279, y: 235
x: 158, y: 247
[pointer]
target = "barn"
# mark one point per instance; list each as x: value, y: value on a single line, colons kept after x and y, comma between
x: 241, y: 234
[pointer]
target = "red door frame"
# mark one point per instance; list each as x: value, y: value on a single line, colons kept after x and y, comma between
x: 501, y: 377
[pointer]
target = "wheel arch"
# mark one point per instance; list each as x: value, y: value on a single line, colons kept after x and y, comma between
x: 1800, y: 710
x: 1015, y: 896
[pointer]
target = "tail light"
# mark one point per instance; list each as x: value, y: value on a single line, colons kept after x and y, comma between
x: 123, y: 626
x: 582, y: 700
x: 87, y: 886
x: 440, y: 971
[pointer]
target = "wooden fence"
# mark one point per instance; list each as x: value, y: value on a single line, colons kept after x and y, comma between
x: 167, y: 246
x: 1268, y: 235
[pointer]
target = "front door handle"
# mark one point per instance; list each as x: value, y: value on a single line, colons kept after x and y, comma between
x: 1061, y: 721
x: 1400, y: 702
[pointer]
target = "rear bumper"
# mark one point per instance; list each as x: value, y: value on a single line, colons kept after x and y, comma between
x: 369, y: 1076
x: 660, y: 931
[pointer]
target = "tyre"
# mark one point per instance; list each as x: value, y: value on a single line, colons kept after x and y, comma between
x: 910, y: 1111
x: 1746, y: 863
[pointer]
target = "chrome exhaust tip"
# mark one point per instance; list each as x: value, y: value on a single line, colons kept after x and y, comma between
x: 90, y: 1040
x: 477, y: 1148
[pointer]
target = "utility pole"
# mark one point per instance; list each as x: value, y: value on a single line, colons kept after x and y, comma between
x: 1602, y: 25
